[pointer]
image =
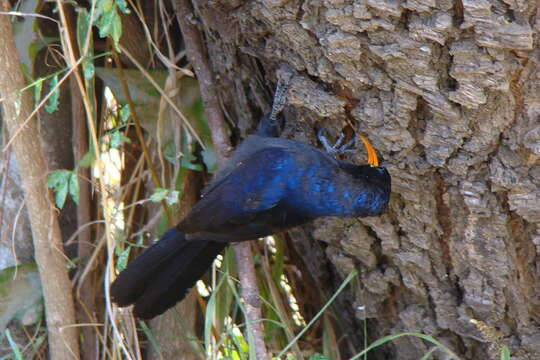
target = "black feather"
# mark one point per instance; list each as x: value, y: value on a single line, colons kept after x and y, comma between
x: 177, y: 277
x: 163, y: 263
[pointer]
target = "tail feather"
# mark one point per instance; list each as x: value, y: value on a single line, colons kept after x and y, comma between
x: 163, y: 273
x: 131, y: 282
x: 174, y: 281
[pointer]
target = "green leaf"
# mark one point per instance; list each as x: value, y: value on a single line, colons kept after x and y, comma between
x: 159, y: 194
x: 505, y: 353
x: 108, y: 21
x: 83, y: 28
x: 163, y: 194
x: 122, y: 260
x: 125, y: 113
x: 63, y: 182
x: 122, y: 5
x: 89, y: 70
x: 52, y: 102
x: 87, y: 160
x: 54, y: 178
x: 74, y: 187
x: 59, y: 182
x: 118, y: 138
x: 37, y: 89
x: 106, y: 5
x: 61, y: 195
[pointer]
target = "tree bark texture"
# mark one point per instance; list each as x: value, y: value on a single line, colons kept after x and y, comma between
x: 448, y: 93
x: 15, y: 234
x: 46, y: 233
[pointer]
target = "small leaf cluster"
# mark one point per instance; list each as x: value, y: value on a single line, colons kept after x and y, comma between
x: 63, y: 182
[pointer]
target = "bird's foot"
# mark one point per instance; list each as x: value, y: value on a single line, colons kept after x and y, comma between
x: 337, y: 148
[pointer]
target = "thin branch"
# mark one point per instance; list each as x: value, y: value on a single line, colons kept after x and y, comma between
x: 216, y: 121
x: 85, y: 291
x: 196, y: 55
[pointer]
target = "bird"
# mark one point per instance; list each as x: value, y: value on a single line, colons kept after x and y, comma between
x: 268, y: 185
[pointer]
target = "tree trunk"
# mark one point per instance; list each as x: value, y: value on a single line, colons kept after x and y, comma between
x: 46, y: 233
x: 448, y: 93
x: 16, y: 234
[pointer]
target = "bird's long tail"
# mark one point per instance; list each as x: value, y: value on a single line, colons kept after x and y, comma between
x: 163, y: 273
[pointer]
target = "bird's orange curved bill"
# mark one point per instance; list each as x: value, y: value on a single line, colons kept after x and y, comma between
x: 372, y: 155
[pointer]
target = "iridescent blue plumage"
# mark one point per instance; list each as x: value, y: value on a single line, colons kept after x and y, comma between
x: 271, y: 184
x: 267, y: 186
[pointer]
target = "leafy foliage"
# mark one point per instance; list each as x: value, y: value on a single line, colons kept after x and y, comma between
x: 108, y: 21
x: 118, y: 138
x: 63, y: 182
x: 52, y: 102
x: 505, y: 353
x: 171, y: 197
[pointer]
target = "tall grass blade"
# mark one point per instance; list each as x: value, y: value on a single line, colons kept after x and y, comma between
x: 316, y: 317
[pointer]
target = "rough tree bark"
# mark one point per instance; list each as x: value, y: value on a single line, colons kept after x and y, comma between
x: 448, y: 93
x: 16, y: 234
x: 46, y: 233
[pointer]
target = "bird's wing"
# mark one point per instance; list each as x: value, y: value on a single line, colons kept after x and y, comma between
x: 255, y: 185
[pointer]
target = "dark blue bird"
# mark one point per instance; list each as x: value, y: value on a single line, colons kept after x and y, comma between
x: 267, y: 186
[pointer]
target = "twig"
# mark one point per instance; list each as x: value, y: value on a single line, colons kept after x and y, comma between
x: 73, y: 63
x: 197, y: 58
x: 216, y: 121
x: 250, y: 295
x: 85, y: 292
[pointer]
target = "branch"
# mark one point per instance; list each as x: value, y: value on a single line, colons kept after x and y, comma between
x: 244, y: 257
x: 48, y: 248
x: 197, y: 58
x: 84, y: 293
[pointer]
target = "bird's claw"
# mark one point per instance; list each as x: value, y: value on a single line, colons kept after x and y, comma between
x: 337, y: 148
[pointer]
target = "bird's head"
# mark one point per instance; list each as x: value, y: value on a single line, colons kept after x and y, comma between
x: 374, y: 184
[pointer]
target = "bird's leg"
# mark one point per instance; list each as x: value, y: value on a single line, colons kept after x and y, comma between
x: 337, y: 148
x: 268, y: 126
x: 280, y: 98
